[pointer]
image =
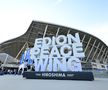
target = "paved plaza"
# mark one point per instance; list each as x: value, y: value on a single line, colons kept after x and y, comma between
x: 17, y: 82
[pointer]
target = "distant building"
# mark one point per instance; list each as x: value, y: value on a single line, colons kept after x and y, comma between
x: 96, y: 51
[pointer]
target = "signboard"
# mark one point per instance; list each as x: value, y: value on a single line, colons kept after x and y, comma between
x: 58, y: 58
x: 60, y: 75
x: 61, y: 53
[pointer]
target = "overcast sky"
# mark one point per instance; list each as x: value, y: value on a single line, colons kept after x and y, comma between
x: 87, y: 15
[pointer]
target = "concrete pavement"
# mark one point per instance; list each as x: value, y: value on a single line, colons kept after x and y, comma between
x: 17, y: 82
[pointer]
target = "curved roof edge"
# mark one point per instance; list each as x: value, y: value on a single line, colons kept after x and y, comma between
x: 68, y: 27
x: 58, y: 26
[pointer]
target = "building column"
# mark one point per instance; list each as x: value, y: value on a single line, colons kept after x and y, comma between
x: 96, y: 51
x: 90, y: 51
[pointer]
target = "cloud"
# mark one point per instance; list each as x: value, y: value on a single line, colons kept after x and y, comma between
x: 58, y: 2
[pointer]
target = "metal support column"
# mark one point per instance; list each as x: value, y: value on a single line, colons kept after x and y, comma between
x: 5, y: 59
x: 87, y: 44
x: 83, y: 38
x: 27, y: 45
x: 96, y: 51
x: 107, y: 59
x: 45, y: 31
x: 20, y: 50
x: 102, y: 54
x: 99, y: 52
x: 90, y: 51
x: 68, y: 32
x: 57, y: 31
x: 105, y: 55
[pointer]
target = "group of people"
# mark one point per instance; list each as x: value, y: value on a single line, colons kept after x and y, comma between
x: 8, y: 71
x: 25, y: 67
x: 17, y: 71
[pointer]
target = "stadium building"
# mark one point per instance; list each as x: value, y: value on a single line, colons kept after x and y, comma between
x: 96, y: 51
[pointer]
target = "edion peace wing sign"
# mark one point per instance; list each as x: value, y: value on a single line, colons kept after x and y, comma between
x: 61, y: 53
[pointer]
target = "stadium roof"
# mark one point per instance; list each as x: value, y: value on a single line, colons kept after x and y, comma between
x: 94, y: 48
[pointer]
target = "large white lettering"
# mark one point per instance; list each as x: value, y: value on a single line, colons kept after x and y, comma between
x: 62, y: 53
